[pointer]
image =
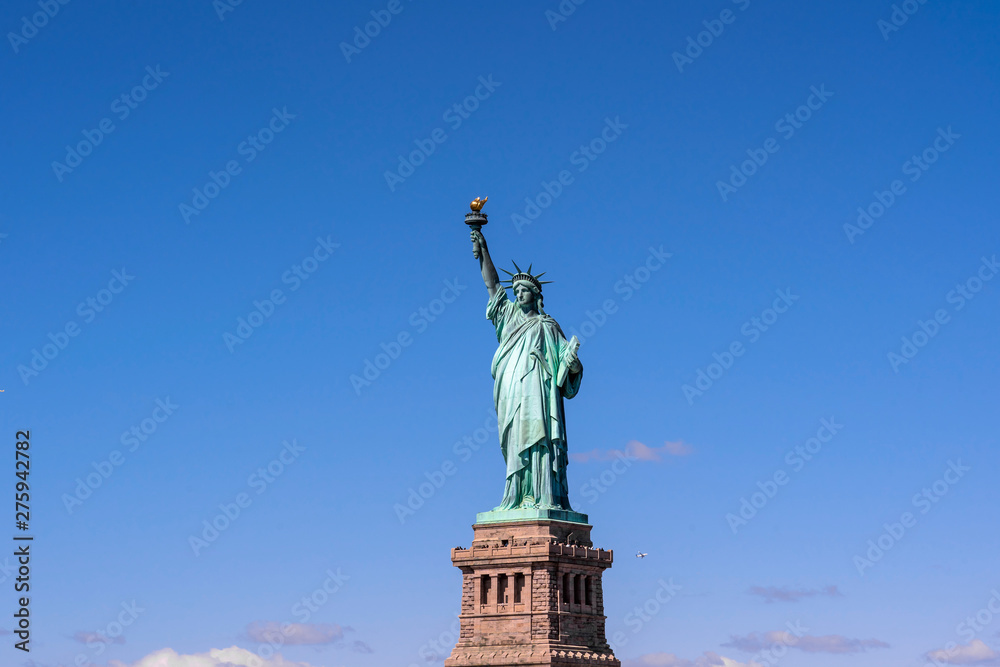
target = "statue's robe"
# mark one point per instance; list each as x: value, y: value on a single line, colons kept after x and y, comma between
x: 531, y: 377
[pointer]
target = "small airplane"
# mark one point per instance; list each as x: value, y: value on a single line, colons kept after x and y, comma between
x: 641, y: 555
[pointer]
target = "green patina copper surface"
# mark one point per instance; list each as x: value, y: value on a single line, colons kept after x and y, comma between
x: 535, y: 367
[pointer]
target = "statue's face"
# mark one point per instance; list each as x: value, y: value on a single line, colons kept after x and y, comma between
x: 524, y: 295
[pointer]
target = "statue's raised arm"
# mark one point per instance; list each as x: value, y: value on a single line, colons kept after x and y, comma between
x: 482, y: 253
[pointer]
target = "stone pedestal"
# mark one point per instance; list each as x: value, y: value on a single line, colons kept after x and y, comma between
x: 532, y: 596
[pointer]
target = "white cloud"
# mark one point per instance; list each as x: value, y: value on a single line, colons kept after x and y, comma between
x: 973, y: 653
x: 217, y: 657
x: 707, y: 659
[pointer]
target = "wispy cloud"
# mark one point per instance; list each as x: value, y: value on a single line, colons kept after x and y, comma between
x: 635, y: 450
x: 295, y: 633
x: 783, y: 594
x: 973, y: 653
x: 807, y: 643
x: 360, y: 647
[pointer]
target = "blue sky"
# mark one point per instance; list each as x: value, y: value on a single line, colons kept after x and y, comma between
x: 245, y: 171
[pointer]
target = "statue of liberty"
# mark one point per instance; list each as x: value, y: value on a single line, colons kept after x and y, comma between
x: 534, y: 369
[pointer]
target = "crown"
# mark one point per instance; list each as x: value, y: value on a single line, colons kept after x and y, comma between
x: 525, y: 276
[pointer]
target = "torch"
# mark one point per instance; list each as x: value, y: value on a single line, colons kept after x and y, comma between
x: 477, y: 218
